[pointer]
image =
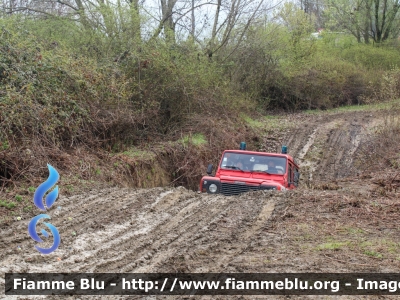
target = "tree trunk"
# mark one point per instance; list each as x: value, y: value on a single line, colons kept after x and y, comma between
x: 167, y: 23
x: 193, y: 21
x: 214, y: 30
x: 378, y: 33
x: 135, y: 19
x: 367, y: 23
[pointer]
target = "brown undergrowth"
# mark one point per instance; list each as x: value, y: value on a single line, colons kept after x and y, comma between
x: 353, y: 228
x: 173, y: 160
x: 382, y: 150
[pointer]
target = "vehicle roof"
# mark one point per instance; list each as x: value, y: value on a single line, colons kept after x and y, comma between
x: 287, y: 156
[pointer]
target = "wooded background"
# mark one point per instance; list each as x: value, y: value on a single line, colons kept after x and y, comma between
x: 115, y: 74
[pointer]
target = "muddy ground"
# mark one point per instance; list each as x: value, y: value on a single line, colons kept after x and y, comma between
x: 340, y: 219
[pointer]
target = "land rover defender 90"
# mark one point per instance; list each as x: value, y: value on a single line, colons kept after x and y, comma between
x: 240, y: 171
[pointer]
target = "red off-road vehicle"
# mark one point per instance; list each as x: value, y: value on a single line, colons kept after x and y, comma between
x: 241, y: 171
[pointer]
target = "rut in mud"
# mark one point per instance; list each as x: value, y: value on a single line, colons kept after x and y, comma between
x: 325, y: 145
x: 143, y: 231
x: 177, y: 230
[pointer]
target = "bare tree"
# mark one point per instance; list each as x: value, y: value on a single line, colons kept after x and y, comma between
x: 239, y: 16
x: 193, y: 29
x: 366, y: 19
x: 167, y: 23
x: 102, y: 15
x: 214, y: 30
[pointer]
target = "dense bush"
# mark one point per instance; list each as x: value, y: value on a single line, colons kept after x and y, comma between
x: 67, y: 83
x: 282, y: 70
x: 55, y: 91
x: 41, y: 89
x: 82, y: 87
x: 64, y: 84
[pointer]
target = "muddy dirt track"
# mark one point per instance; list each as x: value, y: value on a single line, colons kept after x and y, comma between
x: 325, y: 145
x: 177, y: 230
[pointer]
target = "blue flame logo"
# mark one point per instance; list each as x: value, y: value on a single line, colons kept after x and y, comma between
x: 44, y: 187
x: 38, y: 201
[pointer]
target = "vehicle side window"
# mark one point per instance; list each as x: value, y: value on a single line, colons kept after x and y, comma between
x: 290, y: 175
x: 296, y: 176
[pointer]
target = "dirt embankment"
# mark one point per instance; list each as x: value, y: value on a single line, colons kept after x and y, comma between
x: 347, y: 225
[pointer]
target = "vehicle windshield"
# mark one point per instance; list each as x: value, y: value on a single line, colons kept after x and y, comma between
x: 254, y: 163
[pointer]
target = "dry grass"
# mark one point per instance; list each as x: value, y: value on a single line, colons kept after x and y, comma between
x: 382, y: 150
x: 352, y: 229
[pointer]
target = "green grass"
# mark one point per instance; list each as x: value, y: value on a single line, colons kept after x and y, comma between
x: 196, y: 139
x: 7, y: 204
x: 269, y: 122
x: 373, y: 254
x: 137, y: 153
x: 335, y: 245
x: 4, y: 145
x: 351, y: 108
x: 272, y: 117
x: 28, y: 208
x: 354, y: 231
x: 253, y: 123
x: 384, y: 245
x: 18, y: 198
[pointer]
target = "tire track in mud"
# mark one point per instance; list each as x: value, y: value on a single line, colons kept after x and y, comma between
x: 176, y: 230
x: 172, y: 220
x: 216, y: 246
x: 81, y: 214
x: 325, y: 146
x: 245, y: 238
x: 127, y: 230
